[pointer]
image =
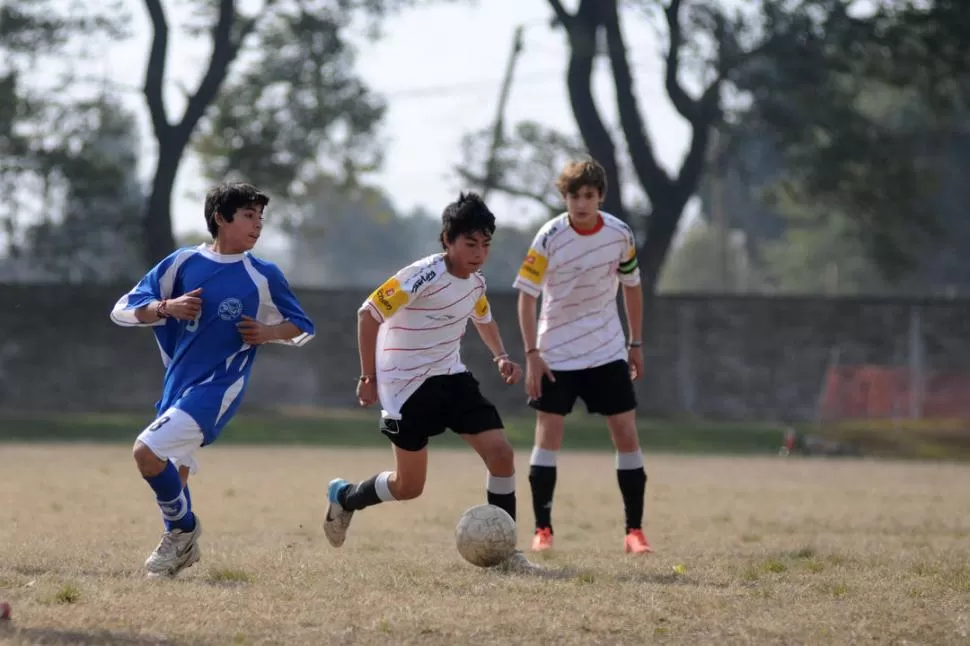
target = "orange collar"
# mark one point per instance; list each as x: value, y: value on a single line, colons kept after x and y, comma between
x: 589, y: 232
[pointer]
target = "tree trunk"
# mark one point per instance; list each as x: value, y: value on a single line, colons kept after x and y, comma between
x: 157, y: 219
x: 655, y: 247
x: 582, y: 41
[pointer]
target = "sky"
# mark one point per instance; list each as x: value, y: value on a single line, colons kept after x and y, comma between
x: 440, y: 69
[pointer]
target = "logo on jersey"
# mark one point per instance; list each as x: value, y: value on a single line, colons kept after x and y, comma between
x: 230, y: 309
x: 547, y: 235
x: 389, y: 297
x: 533, y: 267
x: 422, y: 279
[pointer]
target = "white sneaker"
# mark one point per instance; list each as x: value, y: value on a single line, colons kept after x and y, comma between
x: 176, y: 551
x: 338, y: 519
x: 519, y: 564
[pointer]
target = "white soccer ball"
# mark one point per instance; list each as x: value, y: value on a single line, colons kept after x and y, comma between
x: 485, y: 535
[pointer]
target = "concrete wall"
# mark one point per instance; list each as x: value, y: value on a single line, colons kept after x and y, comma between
x: 753, y: 358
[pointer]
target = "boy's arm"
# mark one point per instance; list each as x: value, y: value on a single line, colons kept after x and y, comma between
x: 492, y: 338
x: 527, y: 321
x: 295, y: 328
x: 633, y: 304
x: 367, y: 330
x: 140, y: 306
x: 629, y: 275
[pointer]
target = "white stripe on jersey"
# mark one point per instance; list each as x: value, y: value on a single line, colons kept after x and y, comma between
x: 424, y: 311
x: 577, y: 275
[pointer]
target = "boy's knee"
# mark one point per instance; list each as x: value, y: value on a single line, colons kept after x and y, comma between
x: 408, y: 490
x: 148, y: 463
x: 502, y: 456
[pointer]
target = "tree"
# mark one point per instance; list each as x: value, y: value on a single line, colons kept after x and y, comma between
x: 90, y: 230
x: 67, y: 159
x: 814, y: 58
x: 235, y: 127
x: 709, y: 260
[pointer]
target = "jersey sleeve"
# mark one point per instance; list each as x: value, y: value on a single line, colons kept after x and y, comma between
x: 399, y: 290
x: 286, y: 303
x: 482, y: 312
x: 532, y: 273
x: 155, y: 286
x: 629, y: 268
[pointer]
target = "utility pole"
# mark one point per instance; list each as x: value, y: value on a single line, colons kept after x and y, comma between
x: 498, y: 129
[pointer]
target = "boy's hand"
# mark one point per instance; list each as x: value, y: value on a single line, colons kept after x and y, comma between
x: 510, y: 370
x: 636, y: 363
x: 186, y: 307
x: 367, y: 392
x: 535, y: 369
x: 255, y: 333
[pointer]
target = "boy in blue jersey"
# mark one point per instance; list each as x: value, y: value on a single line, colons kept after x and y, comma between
x: 210, y: 307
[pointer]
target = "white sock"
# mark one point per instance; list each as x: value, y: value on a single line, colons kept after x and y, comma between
x: 543, y: 457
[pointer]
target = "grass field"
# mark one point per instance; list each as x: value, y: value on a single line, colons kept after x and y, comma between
x: 750, y: 550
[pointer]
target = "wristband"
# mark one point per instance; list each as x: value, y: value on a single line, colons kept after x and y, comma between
x: 161, y: 309
x: 531, y: 350
x: 366, y: 379
x: 635, y: 344
x: 499, y: 357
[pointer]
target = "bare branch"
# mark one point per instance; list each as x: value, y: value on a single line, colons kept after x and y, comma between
x: 155, y: 70
x: 682, y: 101
x: 562, y: 16
x: 652, y: 176
x: 477, y: 180
x: 223, y: 52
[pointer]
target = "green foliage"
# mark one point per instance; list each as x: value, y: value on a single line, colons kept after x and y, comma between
x: 353, y: 236
x: 820, y: 253
x: 295, y: 103
x: 710, y: 260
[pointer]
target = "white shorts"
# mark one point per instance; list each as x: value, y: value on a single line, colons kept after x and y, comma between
x: 174, y: 436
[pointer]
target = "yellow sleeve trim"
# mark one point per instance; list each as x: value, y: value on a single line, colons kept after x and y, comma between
x: 389, y: 298
x: 533, y: 269
x: 481, y: 307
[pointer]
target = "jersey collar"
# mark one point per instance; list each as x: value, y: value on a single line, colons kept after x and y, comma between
x: 219, y: 257
x: 588, y: 232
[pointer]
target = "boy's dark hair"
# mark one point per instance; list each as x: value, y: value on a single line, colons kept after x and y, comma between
x: 577, y: 174
x: 225, y: 199
x: 467, y: 215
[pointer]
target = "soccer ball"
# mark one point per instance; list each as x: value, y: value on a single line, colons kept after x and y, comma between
x: 485, y: 535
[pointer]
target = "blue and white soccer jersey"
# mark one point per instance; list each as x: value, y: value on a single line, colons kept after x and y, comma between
x: 207, y: 364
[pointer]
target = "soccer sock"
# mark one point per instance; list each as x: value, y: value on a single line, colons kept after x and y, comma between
x: 368, y: 493
x: 500, y: 491
x: 172, y: 499
x: 542, y: 479
x: 632, y: 479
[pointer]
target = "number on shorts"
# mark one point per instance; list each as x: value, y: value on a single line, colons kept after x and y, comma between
x: 159, y: 423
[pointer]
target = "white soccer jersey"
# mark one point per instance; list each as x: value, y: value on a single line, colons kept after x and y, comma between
x: 577, y: 274
x: 424, y: 311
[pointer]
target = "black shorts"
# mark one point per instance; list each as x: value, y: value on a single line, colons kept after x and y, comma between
x: 606, y: 390
x: 441, y: 402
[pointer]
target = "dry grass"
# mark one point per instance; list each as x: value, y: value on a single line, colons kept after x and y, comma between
x: 760, y: 551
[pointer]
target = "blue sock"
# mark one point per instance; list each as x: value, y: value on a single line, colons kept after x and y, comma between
x: 172, y: 499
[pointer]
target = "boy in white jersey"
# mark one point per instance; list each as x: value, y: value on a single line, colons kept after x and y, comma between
x: 210, y: 308
x: 409, y: 334
x: 576, y: 263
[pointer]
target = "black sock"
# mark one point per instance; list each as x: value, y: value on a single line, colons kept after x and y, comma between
x: 633, y: 483
x: 543, y: 483
x: 504, y: 501
x: 358, y: 496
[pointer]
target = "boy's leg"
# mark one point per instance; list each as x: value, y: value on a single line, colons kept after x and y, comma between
x: 543, y: 471
x: 608, y: 390
x: 499, y: 457
x: 409, y: 435
x: 164, y: 452
x: 557, y: 401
